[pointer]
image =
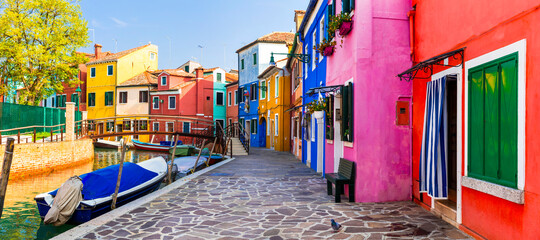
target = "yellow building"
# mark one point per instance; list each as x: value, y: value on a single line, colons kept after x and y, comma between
x: 274, y: 100
x: 107, y: 71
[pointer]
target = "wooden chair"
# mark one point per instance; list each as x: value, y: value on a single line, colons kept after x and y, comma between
x: 345, y: 175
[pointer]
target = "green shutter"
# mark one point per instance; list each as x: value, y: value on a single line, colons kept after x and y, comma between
x: 351, y: 112
x: 509, y: 113
x: 345, y: 5
x: 491, y: 121
x: 476, y: 123
x: 351, y: 7
x: 344, y: 111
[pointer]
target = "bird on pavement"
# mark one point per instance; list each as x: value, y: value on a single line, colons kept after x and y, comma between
x: 336, y: 226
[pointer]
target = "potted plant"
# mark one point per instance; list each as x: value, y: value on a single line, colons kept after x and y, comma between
x: 316, y: 108
x: 341, y: 22
x: 326, y: 47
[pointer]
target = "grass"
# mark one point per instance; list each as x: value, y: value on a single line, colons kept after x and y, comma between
x: 39, y: 135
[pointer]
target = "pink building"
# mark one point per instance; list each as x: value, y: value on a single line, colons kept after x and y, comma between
x: 369, y: 107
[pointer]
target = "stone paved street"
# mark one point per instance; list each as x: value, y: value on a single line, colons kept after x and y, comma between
x: 269, y: 195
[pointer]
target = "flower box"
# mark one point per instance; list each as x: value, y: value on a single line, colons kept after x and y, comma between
x: 328, y: 51
x: 345, y: 28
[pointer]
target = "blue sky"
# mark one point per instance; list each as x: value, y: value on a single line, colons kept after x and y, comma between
x: 220, y: 26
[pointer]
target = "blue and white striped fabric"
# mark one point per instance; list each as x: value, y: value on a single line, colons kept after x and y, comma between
x: 434, y: 154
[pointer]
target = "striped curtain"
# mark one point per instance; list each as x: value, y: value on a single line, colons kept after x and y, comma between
x: 434, y: 154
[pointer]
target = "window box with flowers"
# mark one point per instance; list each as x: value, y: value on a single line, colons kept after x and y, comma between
x: 326, y: 47
x: 342, y: 23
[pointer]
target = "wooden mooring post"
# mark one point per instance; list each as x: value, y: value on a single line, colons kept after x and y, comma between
x: 173, y: 154
x: 122, y: 156
x: 211, y: 152
x: 8, y: 156
x: 198, y: 156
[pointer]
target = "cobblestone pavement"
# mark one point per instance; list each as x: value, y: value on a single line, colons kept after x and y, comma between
x: 269, y: 195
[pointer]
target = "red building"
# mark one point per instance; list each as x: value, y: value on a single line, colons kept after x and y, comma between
x: 232, y: 98
x: 475, y: 91
x: 179, y: 93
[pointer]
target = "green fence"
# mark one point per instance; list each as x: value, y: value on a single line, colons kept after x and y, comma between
x: 17, y: 116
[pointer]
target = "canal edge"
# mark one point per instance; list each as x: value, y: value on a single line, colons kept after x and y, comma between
x: 83, y: 229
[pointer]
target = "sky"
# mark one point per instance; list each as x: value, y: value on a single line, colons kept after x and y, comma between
x: 179, y: 27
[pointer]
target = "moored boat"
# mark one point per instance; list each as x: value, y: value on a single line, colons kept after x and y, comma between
x: 164, y: 146
x: 184, y: 165
x: 100, y: 143
x: 98, y: 186
x: 183, y: 150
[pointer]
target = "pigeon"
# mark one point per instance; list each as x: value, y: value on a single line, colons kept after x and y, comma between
x: 336, y: 226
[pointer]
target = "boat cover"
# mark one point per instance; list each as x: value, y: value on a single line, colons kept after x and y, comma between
x: 102, y: 182
x: 170, y: 143
x: 65, y: 203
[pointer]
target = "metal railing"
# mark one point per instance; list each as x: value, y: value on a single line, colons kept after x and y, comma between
x: 236, y: 130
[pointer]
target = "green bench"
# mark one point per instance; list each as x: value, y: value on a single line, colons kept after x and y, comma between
x: 345, y: 175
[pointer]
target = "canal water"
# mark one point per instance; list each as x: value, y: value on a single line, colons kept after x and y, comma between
x: 20, y: 218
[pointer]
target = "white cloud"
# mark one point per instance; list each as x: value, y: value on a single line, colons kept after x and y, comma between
x: 119, y: 22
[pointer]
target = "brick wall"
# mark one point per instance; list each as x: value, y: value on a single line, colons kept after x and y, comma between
x: 43, y: 158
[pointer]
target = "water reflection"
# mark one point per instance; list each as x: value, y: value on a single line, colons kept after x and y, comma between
x: 20, y: 218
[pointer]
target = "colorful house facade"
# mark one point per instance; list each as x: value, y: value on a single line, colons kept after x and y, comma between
x: 312, y: 30
x: 218, y: 76
x: 253, y: 59
x: 232, y: 99
x: 274, y: 99
x: 482, y: 79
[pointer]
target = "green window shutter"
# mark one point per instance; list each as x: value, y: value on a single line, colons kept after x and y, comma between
x: 344, y: 111
x: 351, y: 111
x: 509, y: 113
x: 351, y: 6
x: 186, y: 68
x: 242, y: 63
x: 476, y: 123
x: 491, y: 121
x: 254, y: 58
x: 345, y: 5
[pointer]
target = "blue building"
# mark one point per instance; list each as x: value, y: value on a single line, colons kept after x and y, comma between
x: 312, y: 30
x: 253, y: 59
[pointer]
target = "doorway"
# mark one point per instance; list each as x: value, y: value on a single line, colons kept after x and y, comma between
x: 262, y: 132
x: 272, y: 133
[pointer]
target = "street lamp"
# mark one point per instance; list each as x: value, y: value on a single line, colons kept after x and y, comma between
x: 301, y: 57
x: 78, y: 91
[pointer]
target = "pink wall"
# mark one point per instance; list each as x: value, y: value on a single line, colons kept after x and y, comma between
x: 381, y: 149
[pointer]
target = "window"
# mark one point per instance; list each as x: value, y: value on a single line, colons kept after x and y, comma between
x: 229, y: 100
x: 347, y: 5
x: 143, y: 125
x: 243, y: 123
x: 93, y: 72
x: 263, y: 89
x: 255, y: 59
x: 52, y: 102
x: 152, y: 56
x: 493, y: 121
x: 242, y: 64
x: 230, y: 121
x: 332, y: 9
x: 75, y: 99
x: 155, y: 126
x: 110, y: 126
x: 313, y: 51
x: 347, y: 106
x: 219, y: 99
x: 253, y: 92
x: 329, y: 118
x: 91, y: 99
x: 172, y: 102
x: 218, y: 77
x: 127, y: 125
x: 276, y: 132
x: 240, y: 95
x: 110, y: 70
x: 61, y: 101
x: 163, y: 80
x: 155, y: 103
x: 253, y: 126
x: 122, y: 98
x: 186, y: 128
x: 235, y: 97
x: 186, y: 68
x: 276, y: 85
x: 109, y: 98
x: 221, y: 123
x: 143, y: 96
x: 321, y: 36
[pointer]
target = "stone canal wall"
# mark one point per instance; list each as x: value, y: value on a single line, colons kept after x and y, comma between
x: 41, y: 158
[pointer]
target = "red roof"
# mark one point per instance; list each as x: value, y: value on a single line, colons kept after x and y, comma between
x: 145, y: 78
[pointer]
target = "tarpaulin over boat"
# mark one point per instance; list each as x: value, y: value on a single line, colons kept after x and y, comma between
x: 102, y: 182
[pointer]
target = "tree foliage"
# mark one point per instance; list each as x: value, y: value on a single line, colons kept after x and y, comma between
x: 38, y: 40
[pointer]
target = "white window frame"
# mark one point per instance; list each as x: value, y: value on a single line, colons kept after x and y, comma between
x: 184, y: 125
x: 113, y: 125
x: 276, y: 125
x: 321, y: 36
x: 222, y: 98
x: 306, y: 68
x: 229, y: 100
x: 276, y: 86
x: 93, y: 68
x: 154, y: 124
x: 235, y: 97
x: 261, y: 91
x: 161, y: 80
x: 154, y: 102
x: 268, y: 120
x: 153, y: 56
x: 169, y: 103
x: 314, y: 52
x: 254, y: 120
x: 130, y: 125
x: 108, y: 70
x: 167, y: 130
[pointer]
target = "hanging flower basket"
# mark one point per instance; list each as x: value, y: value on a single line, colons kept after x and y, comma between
x: 345, y: 28
x: 318, y: 115
x: 328, y: 51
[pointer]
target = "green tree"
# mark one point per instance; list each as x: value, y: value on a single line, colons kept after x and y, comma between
x: 38, y: 40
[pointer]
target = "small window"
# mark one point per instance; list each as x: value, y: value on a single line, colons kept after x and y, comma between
x: 123, y: 97
x: 253, y: 92
x: 172, y: 102
x: 218, y: 77
x: 219, y: 99
x: 242, y: 64
x: 155, y: 103
x: 263, y: 89
x: 91, y: 99
x: 93, y: 72
x: 163, y: 80
x: 255, y: 59
x: 253, y: 126
x: 143, y: 125
x: 221, y: 123
x: 347, y: 113
x: 276, y: 132
x: 110, y: 126
x: 186, y: 68
x: 208, y: 98
x: 306, y: 64
x: 110, y: 70
x: 235, y: 97
x: 276, y: 86
x: 143, y: 96
x: 127, y: 125
x: 152, y: 56
x: 186, y: 128
x: 229, y: 99
x: 75, y: 99
x: 155, y: 127
x: 109, y: 98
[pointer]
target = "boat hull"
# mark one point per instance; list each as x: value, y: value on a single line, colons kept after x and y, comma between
x: 99, y: 144
x: 183, y: 150
x: 85, y: 213
x: 150, y: 147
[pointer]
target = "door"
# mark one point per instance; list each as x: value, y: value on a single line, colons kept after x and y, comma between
x: 262, y: 133
x: 169, y: 128
x: 272, y: 134
x: 338, y: 144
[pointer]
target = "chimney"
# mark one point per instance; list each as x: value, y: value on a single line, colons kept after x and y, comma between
x: 97, y: 51
x: 199, y: 72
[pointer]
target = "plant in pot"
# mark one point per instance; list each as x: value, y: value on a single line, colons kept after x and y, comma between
x: 341, y: 22
x: 316, y: 108
x: 326, y: 47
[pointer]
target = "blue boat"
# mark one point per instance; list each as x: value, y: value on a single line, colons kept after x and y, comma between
x: 98, y: 186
